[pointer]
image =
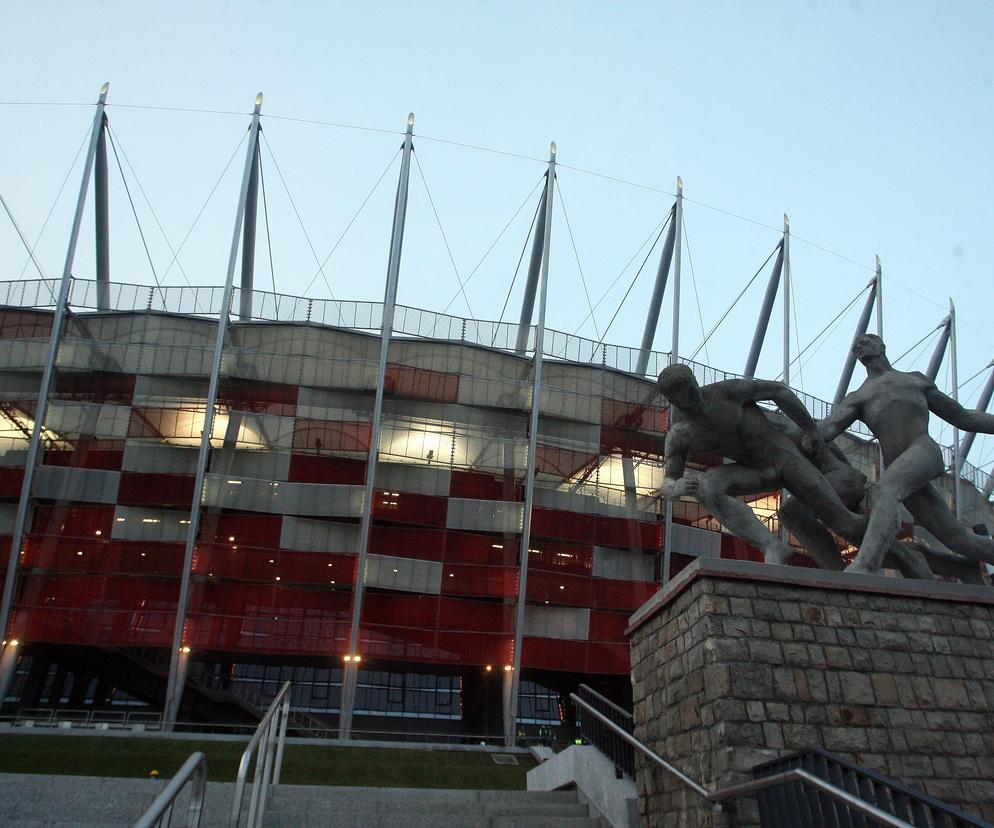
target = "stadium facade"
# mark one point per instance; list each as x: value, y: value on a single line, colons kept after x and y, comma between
x: 405, y: 513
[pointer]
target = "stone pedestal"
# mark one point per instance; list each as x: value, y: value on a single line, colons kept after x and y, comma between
x: 735, y: 663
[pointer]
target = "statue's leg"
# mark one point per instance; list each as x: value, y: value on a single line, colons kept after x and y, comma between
x: 931, y: 512
x: 717, y: 488
x: 904, y: 476
x: 811, y: 486
x: 813, y: 536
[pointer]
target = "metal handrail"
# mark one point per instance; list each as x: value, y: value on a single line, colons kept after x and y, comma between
x: 160, y: 812
x: 605, y: 700
x: 270, y: 738
x: 716, y: 798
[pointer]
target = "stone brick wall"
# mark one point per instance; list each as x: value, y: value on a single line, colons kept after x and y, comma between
x: 736, y: 663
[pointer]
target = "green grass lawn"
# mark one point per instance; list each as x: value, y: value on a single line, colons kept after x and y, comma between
x: 302, y: 764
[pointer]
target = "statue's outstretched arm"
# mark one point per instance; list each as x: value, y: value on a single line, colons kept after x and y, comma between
x: 786, y: 400
x: 843, y: 415
x: 953, y: 413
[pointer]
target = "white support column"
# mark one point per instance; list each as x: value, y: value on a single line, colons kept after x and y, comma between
x: 174, y: 685
x: 353, y: 657
x: 674, y: 354
x: 982, y: 403
x: 954, y: 376
x: 512, y: 687
x: 861, y: 326
x: 786, y: 300
x: 8, y: 666
x: 58, y: 322
x: 878, y: 279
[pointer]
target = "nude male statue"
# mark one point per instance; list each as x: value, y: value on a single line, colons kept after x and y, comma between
x: 723, y: 417
x: 895, y: 406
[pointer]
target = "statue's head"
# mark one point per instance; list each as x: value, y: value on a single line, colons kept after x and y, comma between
x: 868, y: 347
x: 679, y: 385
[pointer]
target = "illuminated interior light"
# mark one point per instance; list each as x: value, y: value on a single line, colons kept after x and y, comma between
x: 151, y: 520
x: 333, y: 582
x: 496, y: 546
x: 231, y: 537
x: 98, y: 532
x: 277, y: 577
x: 235, y: 482
x: 121, y: 520
x: 183, y: 522
x: 347, y: 658
x: 143, y: 554
x: 330, y: 564
x: 271, y: 560
x: 489, y: 667
x: 395, y: 570
x: 562, y: 586
x: 452, y: 574
x: 563, y: 555
x: 507, y: 668
x: 79, y: 551
x: 14, y: 642
x: 357, y: 658
x: 185, y: 650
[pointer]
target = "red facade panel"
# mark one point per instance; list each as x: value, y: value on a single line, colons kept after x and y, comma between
x: 258, y: 397
x: 406, y: 507
x: 162, y: 490
x: 324, y: 468
x: 407, y: 381
x: 25, y: 324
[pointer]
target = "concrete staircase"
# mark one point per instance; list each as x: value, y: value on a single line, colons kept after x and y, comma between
x: 308, y: 806
x: 35, y: 801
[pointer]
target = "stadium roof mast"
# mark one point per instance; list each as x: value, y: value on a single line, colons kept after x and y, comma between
x: 179, y: 656
x: 512, y: 676
x: 873, y: 298
x: 352, y: 658
x: 954, y: 377
x: 34, y: 446
x: 763, y: 322
x: 539, y: 243
x: 248, y: 230
x: 982, y: 403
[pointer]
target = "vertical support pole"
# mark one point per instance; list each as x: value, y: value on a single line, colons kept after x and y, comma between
x: 101, y: 215
x: 48, y: 372
x: 954, y: 376
x: 861, y: 326
x: 786, y: 300
x: 674, y: 354
x: 764, y: 315
x: 248, y: 240
x: 8, y: 667
x: 878, y: 281
x: 656, y: 301
x: 782, y: 496
x: 174, y: 690
x: 531, y: 285
x: 511, y: 698
x: 352, y: 658
x: 940, y: 350
x: 982, y: 403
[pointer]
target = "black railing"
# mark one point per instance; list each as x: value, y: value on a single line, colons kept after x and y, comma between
x: 601, y: 736
x: 795, y: 805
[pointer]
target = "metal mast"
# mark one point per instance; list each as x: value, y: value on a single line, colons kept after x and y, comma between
x: 41, y: 412
x: 982, y: 403
x: 179, y: 655
x: 940, y: 349
x: 352, y: 657
x: 762, y: 323
x: 786, y: 300
x: 512, y: 680
x: 861, y: 326
x: 674, y: 355
x: 954, y: 372
x: 534, y: 269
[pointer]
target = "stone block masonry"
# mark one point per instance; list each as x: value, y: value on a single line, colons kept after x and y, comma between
x: 735, y: 663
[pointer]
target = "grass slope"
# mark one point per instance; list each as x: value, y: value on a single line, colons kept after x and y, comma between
x: 302, y: 764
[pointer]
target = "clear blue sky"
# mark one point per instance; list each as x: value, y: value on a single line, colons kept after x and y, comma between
x: 870, y: 123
